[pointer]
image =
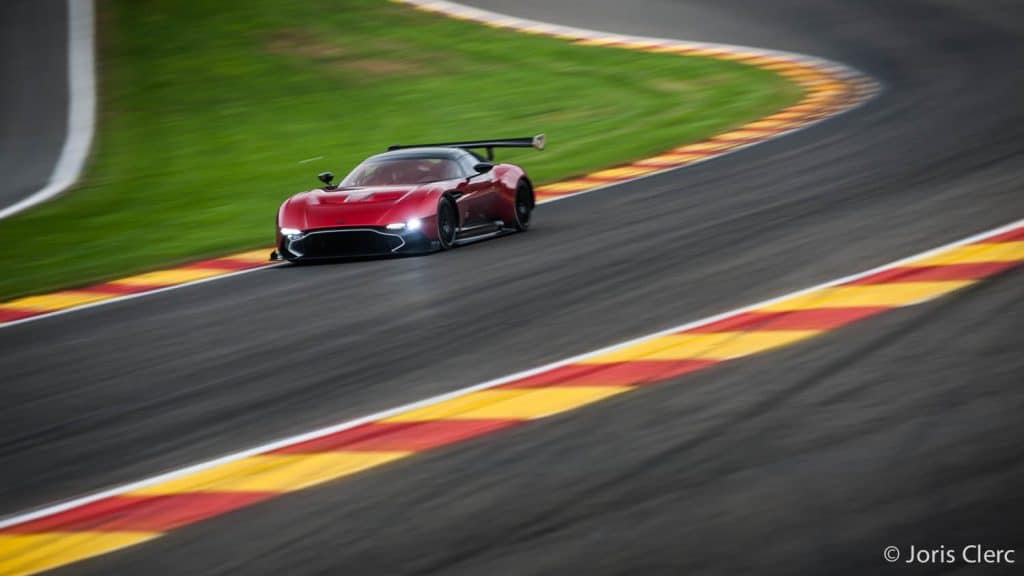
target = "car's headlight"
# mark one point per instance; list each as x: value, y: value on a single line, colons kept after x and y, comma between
x: 410, y: 224
x: 290, y: 231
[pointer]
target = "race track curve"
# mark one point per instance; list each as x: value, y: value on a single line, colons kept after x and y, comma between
x: 33, y: 94
x: 897, y: 430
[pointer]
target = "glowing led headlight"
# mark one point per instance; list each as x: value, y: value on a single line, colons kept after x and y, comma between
x: 290, y: 231
x: 410, y: 224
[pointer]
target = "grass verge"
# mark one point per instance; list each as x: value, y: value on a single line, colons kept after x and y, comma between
x: 213, y: 112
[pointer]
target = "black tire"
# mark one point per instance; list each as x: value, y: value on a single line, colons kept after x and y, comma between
x: 524, y: 205
x: 447, y: 222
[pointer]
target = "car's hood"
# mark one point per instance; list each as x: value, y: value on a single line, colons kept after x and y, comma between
x: 362, y: 206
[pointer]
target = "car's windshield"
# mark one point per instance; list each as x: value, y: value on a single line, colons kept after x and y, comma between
x: 402, y: 171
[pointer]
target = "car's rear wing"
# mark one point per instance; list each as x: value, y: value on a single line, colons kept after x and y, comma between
x: 537, y: 142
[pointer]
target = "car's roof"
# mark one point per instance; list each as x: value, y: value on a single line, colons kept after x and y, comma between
x: 446, y: 153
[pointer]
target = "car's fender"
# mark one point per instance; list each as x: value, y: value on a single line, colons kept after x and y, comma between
x: 291, y: 214
x: 507, y: 177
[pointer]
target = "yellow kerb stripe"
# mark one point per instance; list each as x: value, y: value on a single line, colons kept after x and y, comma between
x: 740, y: 135
x: 894, y: 294
x: 710, y: 346
x: 805, y: 75
x: 673, y: 159
x: 274, y: 472
x: 830, y: 86
x: 568, y: 186
x: 31, y: 553
x: 536, y: 29
x: 801, y: 107
x: 169, y: 277
x: 254, y: 256
x: 500, y: 23
x: 650, y: 46
x: 598, y: 41
x: 670, y: 49
x: 975, y: 253
x: 707, y: 146
x: 571, y: 36
x: 710, y: 53
x: 820, y: 96
x: 764, y: 61
x: 518, y: 404
x: 623, y: 172
x: 57, y: 300
x: 795, y: 117
x: 784, y: 66
x: 744, y: 55
x: 762, y: 124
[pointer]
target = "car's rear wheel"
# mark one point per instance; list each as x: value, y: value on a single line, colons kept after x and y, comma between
x: 524, y: 205
x: 447, y: 222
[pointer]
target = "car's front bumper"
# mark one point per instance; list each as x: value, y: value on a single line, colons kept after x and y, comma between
x: 336, y: 243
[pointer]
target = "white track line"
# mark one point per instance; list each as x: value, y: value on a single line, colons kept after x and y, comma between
x: 321, y: 432
x: 81, y: 108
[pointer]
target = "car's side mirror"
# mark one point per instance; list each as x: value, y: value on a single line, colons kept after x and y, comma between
x: 483, y: 167
x: 326, y: 178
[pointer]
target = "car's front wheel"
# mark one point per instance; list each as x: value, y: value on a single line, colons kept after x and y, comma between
x: 447, y: 222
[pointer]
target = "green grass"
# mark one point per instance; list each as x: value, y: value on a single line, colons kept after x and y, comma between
x: 207, y: 109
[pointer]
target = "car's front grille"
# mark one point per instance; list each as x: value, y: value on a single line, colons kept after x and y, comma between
x: 341, y: 243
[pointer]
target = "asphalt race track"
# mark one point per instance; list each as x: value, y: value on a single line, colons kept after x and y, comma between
x: 904, y: 429
x: 33, y: 93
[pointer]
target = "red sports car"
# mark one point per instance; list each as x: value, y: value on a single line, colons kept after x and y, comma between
x: 410, y: 199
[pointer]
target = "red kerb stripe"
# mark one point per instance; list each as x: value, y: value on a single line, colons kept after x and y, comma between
x: 616, y: 374
x: 10, y: 315
x: 141, y: 513
x: 226, y: 263
x: 400, y: 436
x: 968, y: 271
x: 811, y: 319
x: 120, y: 288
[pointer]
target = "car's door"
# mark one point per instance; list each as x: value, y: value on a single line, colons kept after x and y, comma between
x: 478, y: 194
